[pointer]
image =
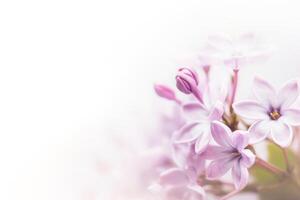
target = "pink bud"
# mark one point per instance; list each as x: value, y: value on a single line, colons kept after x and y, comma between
x: 186, y: 80
x: 164, y: 92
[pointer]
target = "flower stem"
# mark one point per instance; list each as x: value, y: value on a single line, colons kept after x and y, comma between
x: 285, y: 156
x: 197, y: 93
x: 268, y: 166
x: 286, y: 159
x: 234, y: 86
x: 229, y: 195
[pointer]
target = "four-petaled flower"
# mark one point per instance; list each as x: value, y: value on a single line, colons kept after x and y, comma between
x: 235, y: 52
x: 271, y: 111
x: 231, y: 153
x: 181, y: 181
x: 197, y: 130
x: 177, y: 185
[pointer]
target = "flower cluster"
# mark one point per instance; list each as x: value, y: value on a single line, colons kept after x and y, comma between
x: 216, y: 134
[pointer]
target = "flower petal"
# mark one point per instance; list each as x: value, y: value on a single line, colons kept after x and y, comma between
x: 291, y: 116
x: 195, y: 162
x: 189, y: 133
x: 281, y: 133
x: 217, y: 111
x: 220, y: 42
x: 173, y: 177
x: 195, y: 111
x: 218, y: 168
x: 259, y: 131
x: 288, y: 94
x: 213, y: 152
x: 221, y: 134
x: 251, y: 110
x: 248, y: 158
x: 202, y: 141
x: 196, y: 192
x: 240, y: 175
x: 240, y: 139
x: 264, y: 91
x: 175, y: 193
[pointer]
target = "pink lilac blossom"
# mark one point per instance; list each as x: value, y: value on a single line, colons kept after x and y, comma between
x: 197, y: 130
x: 271, y: 111
x: 177, y: 185
x: 207, y: 135
x: 236, y: 52
x: 231, y: 153
x: 181, y: 182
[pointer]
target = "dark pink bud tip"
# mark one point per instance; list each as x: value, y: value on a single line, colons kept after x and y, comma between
x: 186, y: 80
x: 164, y: 92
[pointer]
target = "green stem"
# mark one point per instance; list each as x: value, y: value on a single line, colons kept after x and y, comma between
x: 268, y: 166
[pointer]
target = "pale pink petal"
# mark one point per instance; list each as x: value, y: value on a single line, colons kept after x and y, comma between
x: 281, y: 133
x: 196, y: 192
x: 215, y: 152
x: 264, y: 91
x: 173, y: 177
x: 218, y: 168
x: 194, y: 111
x: 240, y: 139
x: 291, y: 116
x: 189, y: 132
x: 195, y: 162
x: 251, y: 110
x: 240, y: 175
x: 217, y: 111
x: 202, y: 141
x: 288, y: 94
x: 259, y: 131
x: 248, y: 158
x: 220, y: 42
x: 176, y: 193
x: 221, y: 134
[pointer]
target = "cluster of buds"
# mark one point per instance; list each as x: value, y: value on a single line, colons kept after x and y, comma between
x: 219, y: 134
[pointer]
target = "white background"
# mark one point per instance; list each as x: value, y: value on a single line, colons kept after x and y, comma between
x: 74, y: 74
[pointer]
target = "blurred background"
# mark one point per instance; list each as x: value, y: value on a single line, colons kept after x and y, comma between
x: 76, y: 79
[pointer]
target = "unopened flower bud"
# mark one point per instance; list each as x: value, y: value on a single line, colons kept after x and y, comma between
x: 186, y: 80
x: 164, y: 92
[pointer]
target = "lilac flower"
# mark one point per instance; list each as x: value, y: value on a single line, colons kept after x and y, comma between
x: 181, y: 182
x: 197, y: 130
x: 236, y: 52
x: 186, y: 158
x: 230, y: 154
x: 177, y: 185
x: 272, y: 112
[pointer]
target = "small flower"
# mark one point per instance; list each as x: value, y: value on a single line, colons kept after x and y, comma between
x: 197, y: 130
x: 229, y: 154
x: 185, y: 158
x: 186, y: 80
x: 181, y: 181
x: 271, y: 111
x: 237, y: 51
x: 177, y: 185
